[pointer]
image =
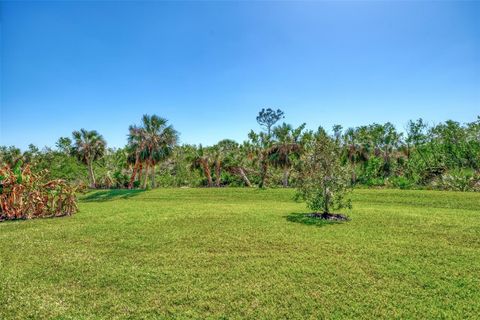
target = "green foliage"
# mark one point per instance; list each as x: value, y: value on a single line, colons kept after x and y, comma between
x: 286, y: 148
x: 421, y: 157
x: 61, y: 166
x: 373, y: 169
x: 88, y: 147
x: 458, y: 180
x: 268, y: 117
x: 148, y: 145
x: 400, y: 183
x: 64, y: 145
x: 10, y: 155
x: 324, y: 183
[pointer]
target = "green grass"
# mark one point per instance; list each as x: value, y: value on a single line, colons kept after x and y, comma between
x: 245, y: 253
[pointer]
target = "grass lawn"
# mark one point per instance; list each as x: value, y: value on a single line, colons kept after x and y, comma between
x: 245, y: 253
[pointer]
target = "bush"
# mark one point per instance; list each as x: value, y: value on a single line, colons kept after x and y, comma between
x: 400, y: 182
x: 375, y: 182
x: 26, y: 195
x: 371, y: 173
x: 458, y: 180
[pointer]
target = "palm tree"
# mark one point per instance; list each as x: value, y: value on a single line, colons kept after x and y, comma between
x: 220, y: 152
x: 151, y: 143
x: 136, y: 148
x: 286, y: 148
x: 235, y: 161
x: 202, y: 159
x: 160, y: 139
x: 88, y: 146
x: 259, y: 146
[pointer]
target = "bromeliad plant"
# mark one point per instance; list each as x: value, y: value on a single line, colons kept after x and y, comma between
x: 27, y: 195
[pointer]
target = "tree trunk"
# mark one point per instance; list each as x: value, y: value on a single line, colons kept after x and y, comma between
x: 285, y: 177
x: 208, y: 174
x: 91, y: 175
x: 140, y: 173
x: 218, y: 172
x: 326, y: 199
x: 145, y: 182
x: 244, y: 177
x: 153, y: 176
x: 134, y: 174
x: 263, y: 173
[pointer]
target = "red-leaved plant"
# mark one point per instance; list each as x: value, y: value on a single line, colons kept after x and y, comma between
x: 27, y: 195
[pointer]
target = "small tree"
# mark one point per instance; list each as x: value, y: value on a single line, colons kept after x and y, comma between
x: 324, y: 183
x: 268, y: 117
x: 64, y: 145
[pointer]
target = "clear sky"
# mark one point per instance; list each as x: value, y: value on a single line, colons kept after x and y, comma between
x: 209, y: 67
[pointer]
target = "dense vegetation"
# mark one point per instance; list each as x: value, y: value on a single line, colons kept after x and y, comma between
x: 26, y: 195
x: 247, y: 253
x: 443, y: 156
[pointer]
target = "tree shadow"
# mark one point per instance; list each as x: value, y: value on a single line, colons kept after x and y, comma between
x: 107, y: 195
x: 306, y: 218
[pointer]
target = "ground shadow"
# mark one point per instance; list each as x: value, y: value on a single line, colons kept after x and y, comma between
x: 306, y: 218
x: 106, y: 195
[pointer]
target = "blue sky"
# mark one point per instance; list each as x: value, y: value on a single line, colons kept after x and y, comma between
x: 209, y: 67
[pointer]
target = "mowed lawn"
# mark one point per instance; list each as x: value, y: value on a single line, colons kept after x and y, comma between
x: 245, y: 253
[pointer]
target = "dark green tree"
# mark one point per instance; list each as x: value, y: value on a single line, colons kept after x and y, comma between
x: 88, y: 146
x: 268, y: 117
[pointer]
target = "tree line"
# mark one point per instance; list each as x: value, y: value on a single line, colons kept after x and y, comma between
x: 441, y: 156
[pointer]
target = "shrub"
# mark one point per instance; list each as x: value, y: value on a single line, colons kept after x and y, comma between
x: 373, y: 168
x: 26, y: 195
x: 400, y: 182
x: 458, y: 180
x: 375, y: 182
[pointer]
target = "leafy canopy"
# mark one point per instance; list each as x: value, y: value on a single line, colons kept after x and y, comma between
x: 324, y: 183
x: 268, y: 117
